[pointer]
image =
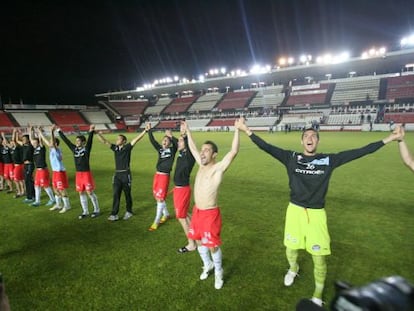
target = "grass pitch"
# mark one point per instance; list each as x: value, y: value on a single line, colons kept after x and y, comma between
x: 54, y: 261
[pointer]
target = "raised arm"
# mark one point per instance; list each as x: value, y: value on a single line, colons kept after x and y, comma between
x: 139, y: 137
x: 191, y: 143
x: 102, y: 139
x: 43, y: 138
x: 151, y: 137
x: 31, y: 133
x: 229, y: 157
x: 40, y: 135
x: 405, y: 154
x: 52, y: 135
x: 16, y: 138
x: 66, y: 140
x: 5, y: 141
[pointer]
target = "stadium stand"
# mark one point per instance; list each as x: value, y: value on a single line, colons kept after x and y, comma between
x: 355, y: 89
x: 235, y: 100
x: 205, y: 102
x: 69, y: 120
x: 35, y: 118
x: 158, y: 107
x: 400, y: 87
x: 399, y: 117
x: 129, y: 107
x: 270, y: 96
x: 309, y: 94
x: 221, y: 122
x: 97, y: 117
x: 179, y: 105
x: 6, y: 123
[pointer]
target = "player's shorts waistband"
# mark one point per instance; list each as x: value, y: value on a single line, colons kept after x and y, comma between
x: 162, y: 173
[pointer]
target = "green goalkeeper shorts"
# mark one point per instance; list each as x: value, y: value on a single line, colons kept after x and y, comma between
x: 306, y: 228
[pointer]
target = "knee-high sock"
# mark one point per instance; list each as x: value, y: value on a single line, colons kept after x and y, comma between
x: 84, y: 203
x: 204, y: 254
x: 292, y: 257
x: 37, y: 194
x: 66, y: 202
x: 160, y: 208
x: 49, y: 192
x: 95, y: 203
x: 319, y: 272
x: 58, y: 199
x: 164, y: 209
x: 217, y: 256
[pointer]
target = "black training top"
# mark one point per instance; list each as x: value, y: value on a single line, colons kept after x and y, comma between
x: 309, y: 175
x: 27, y: 152
x: 39, y: 156
x: 6, y: 155
x: 165, y: 156
x: 122, y: 156
x: 183, y: 166
x: 17, y: 154
x: 81, y: 154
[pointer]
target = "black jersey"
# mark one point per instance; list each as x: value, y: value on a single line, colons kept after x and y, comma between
x: 27, y: 152
x: 39, y: 156
x: 165, y: 156
x: 309, y: 175
x: 17, y: 154
x: 122, y: 156
x: 5, y: 152
x: 81, y: 154
x: 183, y: 166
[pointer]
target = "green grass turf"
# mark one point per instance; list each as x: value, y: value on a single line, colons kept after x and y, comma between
x: 54, y: 261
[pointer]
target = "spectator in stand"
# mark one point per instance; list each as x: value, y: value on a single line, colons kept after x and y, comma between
x: 59, y: 177
x: 166, y: 153
x: 85, y: 184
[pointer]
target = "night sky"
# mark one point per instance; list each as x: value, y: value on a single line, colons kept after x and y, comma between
x: 63, y: 52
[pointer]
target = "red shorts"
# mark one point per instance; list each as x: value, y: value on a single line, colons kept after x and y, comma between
x: 60, y: 180
x: 1, y: 168
x: 8, y: 171
x: 205, y: 226
x: 18, y: 172
x: 42, y: 177
x: 84, y: 181
x: 160, y: 186
x: 181, y: 197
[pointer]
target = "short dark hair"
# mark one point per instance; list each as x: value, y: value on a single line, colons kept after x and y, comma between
x: 310, y: 128
x: 213, y: 145
x: 123, y: 137
x: 57, y: 141
x: 82, y: 138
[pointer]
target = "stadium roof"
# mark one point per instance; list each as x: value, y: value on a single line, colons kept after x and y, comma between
x: 391, y: 62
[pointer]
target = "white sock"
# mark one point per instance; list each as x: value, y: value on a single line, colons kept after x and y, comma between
x: 158, y: 215
x: 37, y: 194
x: 164, y: 209
x: 66, y: 202
x: 84, y: 203
x: 58, y: 199
x: 50, y: 193
x: 204, y: 254
x: 217, y: 256
x: 95, y: 202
